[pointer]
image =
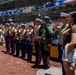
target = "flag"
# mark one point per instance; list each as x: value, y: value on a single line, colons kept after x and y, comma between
x: 27, y: 10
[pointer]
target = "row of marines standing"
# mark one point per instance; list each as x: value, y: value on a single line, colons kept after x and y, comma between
x: 19, y: 38
x: 23, y: 37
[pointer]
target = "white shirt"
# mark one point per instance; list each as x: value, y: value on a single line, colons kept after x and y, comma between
x: 30, y: 34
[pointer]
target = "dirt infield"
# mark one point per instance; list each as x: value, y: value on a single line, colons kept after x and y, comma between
x: 10, y: 65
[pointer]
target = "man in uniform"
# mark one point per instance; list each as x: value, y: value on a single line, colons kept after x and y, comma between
x: 12, y: 38
x: 1, y: 36
x: 37, y: 25
x: 29, y: 41
x: 17, y: 40
x: 7, y: 37
x: 61, y: 22
x: 23, y: 41
x: 46, y: 33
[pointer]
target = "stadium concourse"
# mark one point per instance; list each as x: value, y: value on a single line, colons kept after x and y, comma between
x: 10, y: 65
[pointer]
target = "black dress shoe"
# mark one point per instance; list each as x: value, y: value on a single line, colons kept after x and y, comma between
x: 11, y: 53
x: 22, y: 57
x: 46, y: 67
x: 47, y: 74
x: 7, y: 52
x: 37, y: 63
x: 35, y: 66
x: 28, y: 60
x: 16, y: 55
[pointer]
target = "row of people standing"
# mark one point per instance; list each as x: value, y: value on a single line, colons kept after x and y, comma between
x: 19, y: 38
x: 41, y: 34
x: 23, y: 37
